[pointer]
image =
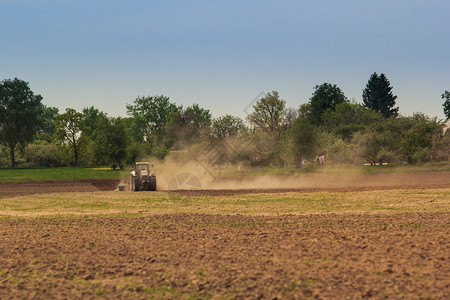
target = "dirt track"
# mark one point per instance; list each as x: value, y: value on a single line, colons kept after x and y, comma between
x: 57, y: 186
x: 202, y: 256
x: 247, y: 185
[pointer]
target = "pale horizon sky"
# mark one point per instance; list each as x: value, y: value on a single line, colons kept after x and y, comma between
x: 222, y: 54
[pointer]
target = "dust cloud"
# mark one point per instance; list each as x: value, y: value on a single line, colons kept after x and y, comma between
x: 175, y: 165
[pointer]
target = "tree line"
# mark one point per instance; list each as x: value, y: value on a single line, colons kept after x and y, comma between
x: 33, y: 134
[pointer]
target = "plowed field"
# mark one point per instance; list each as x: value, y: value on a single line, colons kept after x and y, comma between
x: 203, y: 256
x: 384, y: 253
x: 10, y: 189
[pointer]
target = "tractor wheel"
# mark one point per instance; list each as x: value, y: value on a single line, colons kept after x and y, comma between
x: 131, y: 183
x: 152, y: 186
x: 136, y: 184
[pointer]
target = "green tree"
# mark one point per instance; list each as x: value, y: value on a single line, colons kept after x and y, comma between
x: 150, y: 115
x: 325, y: 96
x: 410, y: 139
x: 226, y: 127
x: 378, y: 96
x: 337, y: 151
x: 230, y: 138
x: 446, y: 105
x: 68, y: 131
x: 304, y: 140
x: 91, y: 117
x: 304, y: 111
x: 289, y: 118
x: 187, y: 125
x: 197, y: 117
x: 20, y: 109
x: 348, y: 118
x: 418, y: 140
x: 269, y: 114
x: 374, y: 146
x: 43, y: 154
x: 48, y: 120
x: 111, y: 141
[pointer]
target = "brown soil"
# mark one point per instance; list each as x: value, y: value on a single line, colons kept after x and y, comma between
x: 334, y: 256
x: 328, y: 182
x: 304, y: 190
x: 170, y: 256
x: 57, y: 186
x: 252, y: 185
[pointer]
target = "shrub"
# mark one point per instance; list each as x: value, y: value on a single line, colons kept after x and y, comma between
x: 43, y: 155
x: 338, y: 152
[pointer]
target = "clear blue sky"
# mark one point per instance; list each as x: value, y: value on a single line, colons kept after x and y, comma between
x: 222, y: 54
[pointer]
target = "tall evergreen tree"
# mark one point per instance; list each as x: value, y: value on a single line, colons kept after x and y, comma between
x: 378, y: 96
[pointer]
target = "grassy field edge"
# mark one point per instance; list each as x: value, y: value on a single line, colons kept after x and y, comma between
x: 115, y: 203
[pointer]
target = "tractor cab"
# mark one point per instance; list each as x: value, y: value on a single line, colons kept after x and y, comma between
x: 142, y: 179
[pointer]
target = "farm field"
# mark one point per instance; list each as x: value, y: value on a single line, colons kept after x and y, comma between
x: 246, y: 184
x: 386, y: 236
x: 62, y: 173
x: 235, y: 256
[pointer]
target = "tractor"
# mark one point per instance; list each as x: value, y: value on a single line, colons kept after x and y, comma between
x: 142, y: 179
